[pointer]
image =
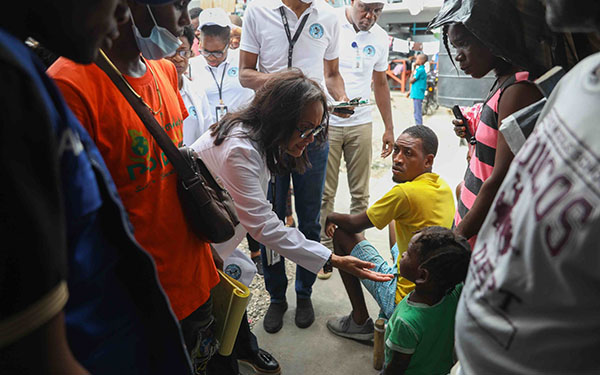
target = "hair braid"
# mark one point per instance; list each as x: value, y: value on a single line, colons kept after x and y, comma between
x: 445, y: 255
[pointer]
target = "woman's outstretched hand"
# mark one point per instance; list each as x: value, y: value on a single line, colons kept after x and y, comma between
x: 359, y: 268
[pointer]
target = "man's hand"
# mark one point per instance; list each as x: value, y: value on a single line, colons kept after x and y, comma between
x: 329, y: 228
x: 387, y: 143
x: 359, y: 268
x: 340, y: 114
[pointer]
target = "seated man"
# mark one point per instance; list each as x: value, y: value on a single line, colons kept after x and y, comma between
x: 420, y: 199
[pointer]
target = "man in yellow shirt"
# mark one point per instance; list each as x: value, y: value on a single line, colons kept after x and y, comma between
x: 420, y: 199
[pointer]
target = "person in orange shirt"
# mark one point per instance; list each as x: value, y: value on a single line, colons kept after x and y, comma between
x: 145, y: 180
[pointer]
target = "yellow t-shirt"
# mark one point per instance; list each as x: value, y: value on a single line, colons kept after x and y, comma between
x: 425, y: 201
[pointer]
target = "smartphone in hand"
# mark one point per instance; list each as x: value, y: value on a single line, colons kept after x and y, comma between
x: 459, y: 116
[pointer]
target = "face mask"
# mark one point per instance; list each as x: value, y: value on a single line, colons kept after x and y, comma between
x: 306, y: 1
x: 161, y: 43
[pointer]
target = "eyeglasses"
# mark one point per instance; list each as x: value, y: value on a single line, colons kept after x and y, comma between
x: 308, y: 132
x: 215, y: 54
x: 186, y: 54
x: 366, y: 9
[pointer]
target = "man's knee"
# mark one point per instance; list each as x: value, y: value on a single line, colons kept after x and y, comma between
x: 344, y: 242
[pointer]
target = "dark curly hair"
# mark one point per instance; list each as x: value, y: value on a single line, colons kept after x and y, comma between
x: 445, y: 255
x: 272, y: 118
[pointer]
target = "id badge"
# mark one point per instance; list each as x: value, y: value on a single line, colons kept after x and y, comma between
x: 272, y: 257
x: 358, y: 63
x: 220, y: 111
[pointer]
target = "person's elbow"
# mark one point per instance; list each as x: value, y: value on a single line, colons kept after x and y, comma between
x: 246, y: 77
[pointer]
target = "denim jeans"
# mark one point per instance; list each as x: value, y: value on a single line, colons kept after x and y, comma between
x: 308, y: 192
x: 418, y: 111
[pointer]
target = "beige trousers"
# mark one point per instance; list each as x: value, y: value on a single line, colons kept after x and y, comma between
x: 354, y: 143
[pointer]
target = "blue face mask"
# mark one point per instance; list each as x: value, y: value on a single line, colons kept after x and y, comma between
x: 160, y: 44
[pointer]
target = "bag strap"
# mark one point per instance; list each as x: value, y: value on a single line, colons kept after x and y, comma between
x: 164, y: 142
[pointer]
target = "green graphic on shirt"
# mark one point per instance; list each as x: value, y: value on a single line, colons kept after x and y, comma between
x: 139, y: 144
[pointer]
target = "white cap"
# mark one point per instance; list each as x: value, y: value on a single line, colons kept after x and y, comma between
x: 374, y: 2
x: 214, y: 16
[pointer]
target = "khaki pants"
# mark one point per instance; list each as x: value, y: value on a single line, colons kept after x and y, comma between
x: 354, y: 143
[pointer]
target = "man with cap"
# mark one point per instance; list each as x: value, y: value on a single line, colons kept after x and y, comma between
x: 218, y: 69
x: 530, y: 302
x: 143, y: 176
x: 60, y: 207
x: 276, y: 35
x: 363, y: 59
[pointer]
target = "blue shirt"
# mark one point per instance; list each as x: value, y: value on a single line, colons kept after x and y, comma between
x: 118, y: 317
x: 417, y: 90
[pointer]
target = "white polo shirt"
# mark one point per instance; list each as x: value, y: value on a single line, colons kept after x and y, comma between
x: 235, y: 96
x: 263, y: 34
x: 196, y: 103
x: 361, y: 53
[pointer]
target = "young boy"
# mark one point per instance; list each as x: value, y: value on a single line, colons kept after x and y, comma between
x: 419, y: 337
x: 418, y: 86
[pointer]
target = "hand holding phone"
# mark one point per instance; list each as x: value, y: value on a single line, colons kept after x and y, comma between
x: 459, y: 116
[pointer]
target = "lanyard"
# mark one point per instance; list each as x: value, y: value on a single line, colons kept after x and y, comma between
x: 291, y: 40
x: 219, y: 86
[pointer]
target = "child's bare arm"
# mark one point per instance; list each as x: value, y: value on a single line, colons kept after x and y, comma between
x: 397, y: 364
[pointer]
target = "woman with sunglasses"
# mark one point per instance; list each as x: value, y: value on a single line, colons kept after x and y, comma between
x: 191, y: 91
x: 248, y: 148
x: 217, y: 69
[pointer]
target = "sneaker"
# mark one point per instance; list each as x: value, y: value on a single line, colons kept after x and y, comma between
x: 273, y: 320
x: 305, y: 314
x: 346, y: 327
x: 323, y: 275
x: 258, y: 263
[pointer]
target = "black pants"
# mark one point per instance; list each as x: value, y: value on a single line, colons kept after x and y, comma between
x: 198, y: 335
x: 246, y: 347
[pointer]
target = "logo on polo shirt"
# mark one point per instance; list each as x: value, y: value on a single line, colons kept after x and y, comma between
x: 233, y: 71
x: 192, y: 111
x: 369, y: 51
x: 234, y: 271
x: 316, y: 30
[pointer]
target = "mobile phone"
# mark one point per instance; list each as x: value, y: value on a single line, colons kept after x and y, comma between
x: 459, y: 116
x: 345, y: 111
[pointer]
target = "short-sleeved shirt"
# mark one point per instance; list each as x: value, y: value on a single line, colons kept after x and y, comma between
x: 417, y: 89
x: 146, y: 181
x: 226, y: 75
x: 264, y: 35
x: 425, y: 201
x: 370, y: 48
x: 425, y: 332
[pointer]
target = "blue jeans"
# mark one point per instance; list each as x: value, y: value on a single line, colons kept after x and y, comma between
x: 308, y: 193
x: 418, y: 111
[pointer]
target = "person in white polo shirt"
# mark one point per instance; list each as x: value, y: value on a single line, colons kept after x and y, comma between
x: 218, y: 68
x: 276, y: 35
x: 363, y: 59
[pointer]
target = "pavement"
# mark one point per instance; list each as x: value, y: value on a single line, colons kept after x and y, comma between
x: 315, y: 350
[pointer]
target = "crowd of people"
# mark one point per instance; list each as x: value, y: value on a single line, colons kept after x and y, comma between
x: 113, y: 279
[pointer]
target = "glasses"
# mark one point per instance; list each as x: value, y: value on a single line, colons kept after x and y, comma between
x: 366, y: 9
x: 308, y: 132
x: 215, y: 54
x: 186, y: 54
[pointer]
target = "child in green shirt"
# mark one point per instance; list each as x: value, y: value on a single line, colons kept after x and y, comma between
x: 419, y: 338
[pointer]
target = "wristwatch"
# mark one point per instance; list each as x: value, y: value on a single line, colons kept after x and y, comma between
x: 327, y: 267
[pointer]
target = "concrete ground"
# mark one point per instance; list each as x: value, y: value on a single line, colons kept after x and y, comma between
x: 315, y: 350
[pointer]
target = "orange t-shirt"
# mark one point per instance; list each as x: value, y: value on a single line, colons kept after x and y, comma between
x: 146, y: 181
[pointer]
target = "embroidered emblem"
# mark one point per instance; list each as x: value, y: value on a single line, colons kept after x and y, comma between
x: 316, y: 30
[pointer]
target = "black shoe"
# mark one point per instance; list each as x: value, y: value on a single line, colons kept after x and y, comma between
x: 258, y: 263
x: 274, y: 317
x: 305, y: 315
x: 263, y: 363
